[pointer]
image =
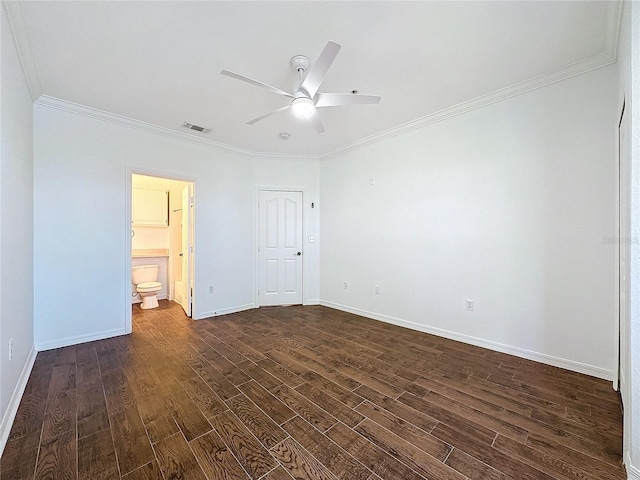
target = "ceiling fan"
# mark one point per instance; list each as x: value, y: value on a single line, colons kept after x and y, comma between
x: 306, y: 99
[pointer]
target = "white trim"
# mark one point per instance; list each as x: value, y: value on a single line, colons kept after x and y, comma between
x: 592, y: 63
x: 311, y: 301
x: 224, y: 311
x: 579, y: 68
x: 616, y: 265
x: 128, y: 225
x: 78, y: 109
x: 65, y: 342
x: 480, y: 342
x: 633, y: 473
x: 614, y: 22
x: 131, y: 170
x: 607, y: 57
x: 22, y: 41
x: 12, y: 408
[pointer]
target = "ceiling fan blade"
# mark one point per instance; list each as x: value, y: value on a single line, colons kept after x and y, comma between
x: 237, y: 76
x: 337, y: 99
x: 319, y: 69
x: 262, y: 117
x: 314, y: 120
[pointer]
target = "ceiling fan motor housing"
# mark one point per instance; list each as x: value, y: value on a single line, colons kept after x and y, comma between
x: 300, y: 63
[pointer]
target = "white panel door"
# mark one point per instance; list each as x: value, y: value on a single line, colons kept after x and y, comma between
x: 280, y: 248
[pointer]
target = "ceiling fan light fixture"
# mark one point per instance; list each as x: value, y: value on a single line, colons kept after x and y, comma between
x: 302, y: 107
x: 306, y: 97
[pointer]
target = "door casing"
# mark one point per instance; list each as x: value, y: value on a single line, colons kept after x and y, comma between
x: 129, y: 171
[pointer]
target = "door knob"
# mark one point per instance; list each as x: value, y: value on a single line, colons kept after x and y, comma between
x: 299, y: 253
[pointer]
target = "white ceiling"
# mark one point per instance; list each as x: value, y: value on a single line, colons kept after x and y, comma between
x: 159, y: 62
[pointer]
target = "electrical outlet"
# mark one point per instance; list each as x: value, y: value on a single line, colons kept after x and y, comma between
x: 11, y: 349
x: 468, y: 305
x: 377, y: 289
x: 210, y: 288
x: 372, y: 180
x: 312, y: 240
x: 346, y: 286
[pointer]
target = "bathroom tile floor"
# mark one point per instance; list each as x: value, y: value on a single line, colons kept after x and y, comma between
x: 305, y: 392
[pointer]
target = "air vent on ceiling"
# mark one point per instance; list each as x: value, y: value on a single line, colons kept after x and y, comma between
x: 197, y: 128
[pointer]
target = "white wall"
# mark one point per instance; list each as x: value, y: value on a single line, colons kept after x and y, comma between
x: 509, y: 205
x: 16, y: 227
x: 151, y: 238
x: 80, y: 177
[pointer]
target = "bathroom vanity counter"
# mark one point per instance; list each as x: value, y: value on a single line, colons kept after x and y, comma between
x: 149, y: 252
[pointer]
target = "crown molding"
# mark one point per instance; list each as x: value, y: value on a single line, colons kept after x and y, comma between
x: 97, y: 114
x: 22, y: 41
x: 576, y: 69
x: 579, y: 68
x: 607, y: 57
x: 613, y: 21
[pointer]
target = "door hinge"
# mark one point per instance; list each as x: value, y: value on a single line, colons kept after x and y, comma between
x: 258, y: 292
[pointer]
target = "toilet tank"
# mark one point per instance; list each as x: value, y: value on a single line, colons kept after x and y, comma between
x: 144, y: 273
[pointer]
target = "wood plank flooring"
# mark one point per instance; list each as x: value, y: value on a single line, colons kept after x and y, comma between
x: 305, y: 393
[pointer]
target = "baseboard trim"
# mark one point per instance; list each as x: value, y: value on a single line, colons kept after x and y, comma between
x: 224, y: 311
x: 12, y: 408
x: 65, y: 342
x: 481, y: 342
x: 313, y: 301
x: 633, y: 473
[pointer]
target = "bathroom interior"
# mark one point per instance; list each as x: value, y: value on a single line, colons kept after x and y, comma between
x: 161, y: 227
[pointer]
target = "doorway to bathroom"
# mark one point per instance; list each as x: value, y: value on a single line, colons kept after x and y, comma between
x: 162, y: 233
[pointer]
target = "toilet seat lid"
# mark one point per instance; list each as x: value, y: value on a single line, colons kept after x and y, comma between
x: 149, y: 285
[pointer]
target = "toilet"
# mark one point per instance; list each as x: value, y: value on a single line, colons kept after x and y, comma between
x: 145, y: 279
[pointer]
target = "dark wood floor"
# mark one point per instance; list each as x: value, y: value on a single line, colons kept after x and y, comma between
x: 305, y: 392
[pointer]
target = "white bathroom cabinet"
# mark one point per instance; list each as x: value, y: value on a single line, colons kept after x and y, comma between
x: 150, y: 206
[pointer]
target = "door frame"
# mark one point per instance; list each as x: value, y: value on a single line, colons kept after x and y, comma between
x: 256, y: 237
x: 618, y: 245
x: 131, y: 170
x: 188, y: 214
